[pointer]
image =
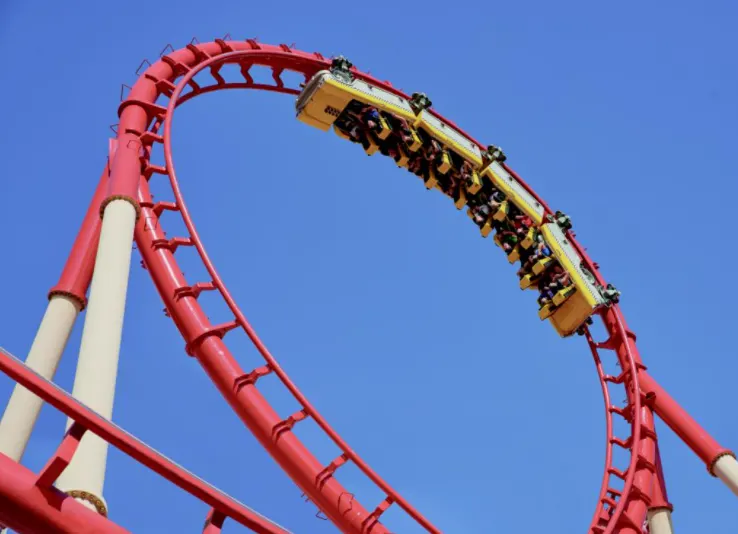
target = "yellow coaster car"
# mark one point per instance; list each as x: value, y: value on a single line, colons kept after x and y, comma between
x: 561, y: 296
x: 530, y: 238
x: 583, y: 297
x: 385, y: 129
x: 460, y: 197
x: 529, y: 281
x: 403, y: 159
x: 432, y: 180
x: 329, y: 93
x: 486, y: 227
x: 473, y: 183
x: 444, y: 164
x: 502, y: 211
x: 546, y: 311
x: 541, y: 265
x: 415, y: 144
x: 373, y: 146
x: 514, y: 191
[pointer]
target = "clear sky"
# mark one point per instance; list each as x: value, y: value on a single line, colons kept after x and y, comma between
x: 404, y: 327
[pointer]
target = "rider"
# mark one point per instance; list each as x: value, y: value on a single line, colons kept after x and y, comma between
x: 508, y: 239
x: 404, y: 132
x: 371, y: 117
x: 480, y: 214
x: 522, y: 223
x: 495, y: 200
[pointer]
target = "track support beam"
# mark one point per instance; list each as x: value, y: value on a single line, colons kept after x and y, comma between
x: 23, y: 407
x: 659, y: 521
x: 66, y: 300
x: 659, y: 512
x: 97, y: 368
x: 691, y: 433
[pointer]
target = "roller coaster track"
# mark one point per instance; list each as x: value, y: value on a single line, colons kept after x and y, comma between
x: 627, y: 492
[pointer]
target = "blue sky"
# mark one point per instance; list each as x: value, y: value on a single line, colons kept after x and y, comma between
x: 404, y: 327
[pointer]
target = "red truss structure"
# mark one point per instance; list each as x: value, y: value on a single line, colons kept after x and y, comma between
x: 30, y: 503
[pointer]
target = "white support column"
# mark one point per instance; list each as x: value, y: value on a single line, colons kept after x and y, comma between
x: 23, y: 407
x: 726, y: 468
x: 659, y: 521
x: 97, y: 368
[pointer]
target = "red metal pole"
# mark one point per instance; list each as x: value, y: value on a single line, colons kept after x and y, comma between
x: 683, y: 424
x: 77, y: 274
x: 674, y: 415
x: 660, y: 498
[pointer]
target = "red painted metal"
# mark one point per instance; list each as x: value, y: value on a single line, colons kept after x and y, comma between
x: 77, y: 273
x: 86, y: 419
x: 141, y: 119
x: 26, y: 506
x: 125, y: 162
x: 63, y: 456
x: 684, y: 425
x: 329, y: 496
x: 605, y: 508
x: 624, y: 510
x: 660, y: 498
x: 676, y: 417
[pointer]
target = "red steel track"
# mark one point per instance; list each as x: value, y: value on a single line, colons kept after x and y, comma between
x: 627, y: 491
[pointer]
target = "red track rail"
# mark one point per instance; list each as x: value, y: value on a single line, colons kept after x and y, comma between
x: 141, y: 119
x: 613, y: 511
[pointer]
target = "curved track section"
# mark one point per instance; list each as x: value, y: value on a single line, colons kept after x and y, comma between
x: 621, y: 507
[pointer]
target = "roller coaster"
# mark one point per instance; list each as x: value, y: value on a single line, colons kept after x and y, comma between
x: 66, y: 495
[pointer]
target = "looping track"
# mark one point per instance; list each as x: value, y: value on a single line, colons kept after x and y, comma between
x: 204, y: 340
x: 621, y: 506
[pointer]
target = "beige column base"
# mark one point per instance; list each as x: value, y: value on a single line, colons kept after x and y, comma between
x: 659, y: 521
x: 726, y: 469
x: 23, y: 408
x: 97, y: 367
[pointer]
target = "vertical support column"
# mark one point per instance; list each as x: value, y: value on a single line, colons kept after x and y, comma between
x: 66, y: 300
x: 659, y: 521
x: 97, y: 367
x: 726, y: 469
x: 23, y: 407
